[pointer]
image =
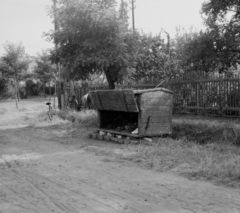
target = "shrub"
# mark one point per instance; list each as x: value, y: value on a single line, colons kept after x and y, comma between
x: 85, y: 118
x: 3, y: 86
x: 52, y: 89
x: 32, y: 88
x: 205, y: 131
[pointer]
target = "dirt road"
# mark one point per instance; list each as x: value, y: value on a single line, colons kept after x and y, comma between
x: 55, y: 168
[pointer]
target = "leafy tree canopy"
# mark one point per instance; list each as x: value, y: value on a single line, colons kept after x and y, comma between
x: 91, y: 38
x: 223, y: 25
x: 155, y: 56
x: 219, y: 9
x: 44, y: 70
x: 195, y: 51
x: 14, y: 63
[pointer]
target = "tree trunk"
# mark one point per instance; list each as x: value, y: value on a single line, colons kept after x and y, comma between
x: 111, y: 84
x: 49, y: 89
x: 54, y: 97
x: 18, y: 92
x: 16, y: 98
x: 44, y: 87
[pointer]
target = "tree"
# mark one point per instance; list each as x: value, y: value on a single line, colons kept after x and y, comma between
x: 154, y: 57
x: 3, y: 86
x: 123, y: 14
x: 14, y: 64
x: 44, y: 70
x: 91, y: 39
x: 195, y: 51
x: 219, y: 9
x: 32, y: 87
x: 223, y: 24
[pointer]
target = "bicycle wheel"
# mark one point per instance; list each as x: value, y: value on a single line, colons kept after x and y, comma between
x: 50, y: 113
x: 50, y: 116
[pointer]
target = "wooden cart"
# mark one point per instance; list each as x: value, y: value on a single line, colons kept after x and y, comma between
x: 148, y: 111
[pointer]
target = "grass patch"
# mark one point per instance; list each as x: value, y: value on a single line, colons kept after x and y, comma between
x: 84, y: 118
x: 219, y: 163
x: 199, y: 149
x: 207, y: 131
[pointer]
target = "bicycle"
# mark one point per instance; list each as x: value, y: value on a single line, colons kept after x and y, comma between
x: 50, y: 111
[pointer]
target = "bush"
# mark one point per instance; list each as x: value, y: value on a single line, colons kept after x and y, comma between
x: 32, y: 88
x: 85, y: 118
x: 52, y: 89
x: 3, y: 86
x: 204, y: 131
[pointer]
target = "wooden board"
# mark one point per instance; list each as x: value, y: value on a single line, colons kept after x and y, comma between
x: 162, y: 112
x: 95, y: 100
x: 115, y: 100
x: 159, y: 120
x: 155, y: 131
x: 118, y: 133
x: 153, y: 90
x: 153, y: 99
x: 149, y: 107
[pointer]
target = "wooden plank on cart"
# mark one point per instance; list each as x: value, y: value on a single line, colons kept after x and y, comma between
x: 114, y: 100
x: 117, y: 132
x: 95, y: 100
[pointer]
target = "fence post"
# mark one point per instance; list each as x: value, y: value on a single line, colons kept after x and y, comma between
x: 62, y: 96
x: 197, y: 95
x: 59, y: 94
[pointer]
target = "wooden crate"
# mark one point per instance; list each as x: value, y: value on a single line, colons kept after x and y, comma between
x: 150, y: 110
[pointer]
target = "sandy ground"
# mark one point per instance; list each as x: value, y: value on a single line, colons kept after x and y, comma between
x: 52, y: 167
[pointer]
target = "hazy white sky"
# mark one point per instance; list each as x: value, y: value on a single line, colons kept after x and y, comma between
x: 26, y: 20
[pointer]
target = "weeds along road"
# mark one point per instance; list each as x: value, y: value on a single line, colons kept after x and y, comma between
x: 54, y: 168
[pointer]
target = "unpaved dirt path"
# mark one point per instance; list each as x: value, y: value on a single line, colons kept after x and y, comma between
x: 55, y: 168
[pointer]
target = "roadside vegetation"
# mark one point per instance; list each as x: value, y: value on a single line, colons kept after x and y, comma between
x: 200, y: 147
x: 84, y: 118
x: 213, y: 161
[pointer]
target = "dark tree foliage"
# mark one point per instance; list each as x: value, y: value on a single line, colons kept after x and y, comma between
x: 91, y: 39
x: 195, y: 51
x: 155, y: 56
x: 223, y: 27
x: 44, y: 71
x: 123, y: 14
x: 3, y: 86
x: 220, y: 8
x: 32, y: 87
x: 14, y: 62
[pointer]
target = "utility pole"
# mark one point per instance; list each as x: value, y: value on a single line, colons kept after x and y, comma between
x: 56, y: 28
x: 133, y: 8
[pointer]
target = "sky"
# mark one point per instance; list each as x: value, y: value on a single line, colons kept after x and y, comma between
x: 25, y: 21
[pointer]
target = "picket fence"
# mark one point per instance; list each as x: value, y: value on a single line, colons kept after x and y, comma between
x: 202, y: 94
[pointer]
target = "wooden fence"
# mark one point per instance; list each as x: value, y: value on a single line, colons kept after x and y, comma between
x: 63, y: 92
x: 214, y: 95
x: 208, y: 96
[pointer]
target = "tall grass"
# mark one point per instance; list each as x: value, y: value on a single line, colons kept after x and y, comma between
x: 205, y: 131
x: 199, y: 149
x: 216, y: 162
x: 84, y: 118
